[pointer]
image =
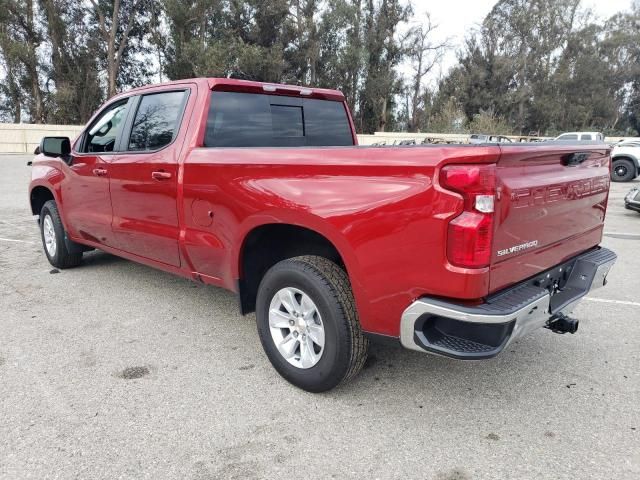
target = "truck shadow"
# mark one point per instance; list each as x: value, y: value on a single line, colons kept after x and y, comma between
x: 98, y: 258
x: 531, y: 365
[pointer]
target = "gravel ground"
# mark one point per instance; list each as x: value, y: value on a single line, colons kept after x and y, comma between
x: 115, y: 370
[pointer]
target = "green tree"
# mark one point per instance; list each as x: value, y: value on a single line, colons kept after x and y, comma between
x: 72, y: 77
x: 544, y: 65
x: 342, y: 52
x: 384, y: 53
x: 20, y: 38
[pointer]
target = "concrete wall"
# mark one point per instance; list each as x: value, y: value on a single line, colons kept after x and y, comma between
x: 390, y: 137
x: 25, y: 137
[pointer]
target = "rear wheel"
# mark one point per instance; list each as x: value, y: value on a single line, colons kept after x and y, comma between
x: 308, y: 324
x: 53, y: 238
x: 623, y: 170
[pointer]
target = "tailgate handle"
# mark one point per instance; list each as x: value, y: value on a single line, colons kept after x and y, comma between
x: 574, y: 159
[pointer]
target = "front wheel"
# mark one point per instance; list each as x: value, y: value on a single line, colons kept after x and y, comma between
x: 53, y: 238
x: 308, y: 323
x: 623, y: 170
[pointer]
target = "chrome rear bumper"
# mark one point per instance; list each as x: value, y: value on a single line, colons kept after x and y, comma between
x: 483, y: 331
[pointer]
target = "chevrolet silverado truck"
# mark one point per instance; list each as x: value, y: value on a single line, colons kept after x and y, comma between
x: 453, y: 250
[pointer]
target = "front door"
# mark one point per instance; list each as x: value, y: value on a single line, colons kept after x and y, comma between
x: 144, y: 178
x: 87, y: 206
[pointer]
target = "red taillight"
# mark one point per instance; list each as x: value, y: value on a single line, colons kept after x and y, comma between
x: 470, y: 234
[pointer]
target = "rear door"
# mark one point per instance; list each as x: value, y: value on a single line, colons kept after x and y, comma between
x: 144, y: 176
x: 551, y: 206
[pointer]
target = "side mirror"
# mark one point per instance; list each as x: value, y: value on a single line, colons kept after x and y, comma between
x: 55, y: 146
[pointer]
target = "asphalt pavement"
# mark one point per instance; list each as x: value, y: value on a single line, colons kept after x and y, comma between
x: 116, y: 370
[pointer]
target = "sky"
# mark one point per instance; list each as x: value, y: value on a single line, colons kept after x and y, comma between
x: 457, y: 17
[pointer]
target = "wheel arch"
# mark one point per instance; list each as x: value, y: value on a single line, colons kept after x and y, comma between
x: 265, y: 244
x: 38, y: 196
x: 626, y: 156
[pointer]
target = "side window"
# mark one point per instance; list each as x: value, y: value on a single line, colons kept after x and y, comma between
x: 585, y: 137
x: 157, y: 120
x: 569, y: 136
x: 104, y: 131
x: 257, y: 120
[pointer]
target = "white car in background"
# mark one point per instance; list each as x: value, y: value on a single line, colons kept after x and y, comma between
x: 582, y: 136
x: 626, y: 161
x: 478, y: 138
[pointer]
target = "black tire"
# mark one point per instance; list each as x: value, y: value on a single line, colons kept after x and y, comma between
x: 61, y: 258
x: 345, y: 347
x: 623, y: 170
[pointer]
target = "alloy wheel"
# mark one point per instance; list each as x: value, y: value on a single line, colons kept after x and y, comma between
x: 296, y: 327
x: 49, y: 235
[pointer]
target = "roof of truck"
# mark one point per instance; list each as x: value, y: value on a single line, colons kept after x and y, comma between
x: 249, y: 86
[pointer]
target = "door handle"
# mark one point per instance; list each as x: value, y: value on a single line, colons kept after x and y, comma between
x: 161, y: 175
x: 100, y: 172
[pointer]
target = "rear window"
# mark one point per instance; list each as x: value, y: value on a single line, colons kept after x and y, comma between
x: 156, y: 121
x: 255, y: 120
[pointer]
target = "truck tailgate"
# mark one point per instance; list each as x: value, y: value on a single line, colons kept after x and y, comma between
x: 551, y: 206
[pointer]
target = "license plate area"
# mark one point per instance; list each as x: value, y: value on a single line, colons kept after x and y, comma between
x: 573, y: 279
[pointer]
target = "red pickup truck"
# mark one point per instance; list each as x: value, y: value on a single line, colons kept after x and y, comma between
x: 454, y: 250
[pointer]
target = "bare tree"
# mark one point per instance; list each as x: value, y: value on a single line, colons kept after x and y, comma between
x: 115, y: 44
x: 424, y: 54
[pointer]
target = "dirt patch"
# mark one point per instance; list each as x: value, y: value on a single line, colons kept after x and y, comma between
x: 131, y: 373
x: 455, y: 474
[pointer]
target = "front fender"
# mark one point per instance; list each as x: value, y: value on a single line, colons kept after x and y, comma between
x: 46, y: 174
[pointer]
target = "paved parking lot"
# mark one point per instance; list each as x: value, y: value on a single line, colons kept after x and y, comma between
x: 115, y: 370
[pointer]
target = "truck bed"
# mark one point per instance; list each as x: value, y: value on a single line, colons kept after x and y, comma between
x: 387, y: 213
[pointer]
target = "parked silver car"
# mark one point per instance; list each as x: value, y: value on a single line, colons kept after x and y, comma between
x: 476, y: 138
